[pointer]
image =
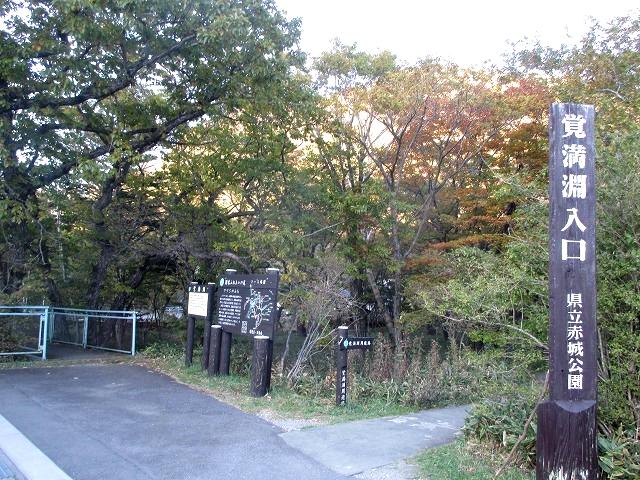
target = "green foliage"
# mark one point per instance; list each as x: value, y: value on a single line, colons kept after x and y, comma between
x: 619, y: 456
x: 165, y: 350
x: 88, y: 90
x: 618, y: 266
x: 498, y: 298
x: 462, y: 462
x: 9, y: 338
x: 425, y: 378
x: 501, y: 422
x: 345, y: 67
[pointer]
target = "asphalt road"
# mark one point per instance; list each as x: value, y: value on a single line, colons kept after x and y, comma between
x: 126, y: 422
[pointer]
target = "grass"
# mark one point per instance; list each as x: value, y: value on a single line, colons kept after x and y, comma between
x: 460, y: 461
x: 281, y: 402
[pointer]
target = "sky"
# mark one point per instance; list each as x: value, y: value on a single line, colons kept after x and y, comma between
x: 466, y: 32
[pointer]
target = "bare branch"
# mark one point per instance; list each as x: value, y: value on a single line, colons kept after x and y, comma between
x: 530, y: 336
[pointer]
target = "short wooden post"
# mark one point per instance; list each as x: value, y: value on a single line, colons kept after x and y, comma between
x: 341, y: 366
x: 208, y: 320
x: 214, y: 350
x: 269, y: 363
x: 260, y: 366
x: 272, y: 271
x: 191, y: 326
x: 204, y: 362
x: 225, y: 352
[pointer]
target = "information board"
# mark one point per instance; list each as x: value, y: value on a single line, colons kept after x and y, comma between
x: 247, y: 304
x: 198, y: 300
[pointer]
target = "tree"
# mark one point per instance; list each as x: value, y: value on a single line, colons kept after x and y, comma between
x: 603, y: 71
x: 413, y: 133
x: 104, y: 87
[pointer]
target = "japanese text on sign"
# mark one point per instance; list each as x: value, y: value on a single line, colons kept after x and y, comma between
x: 572, y: 252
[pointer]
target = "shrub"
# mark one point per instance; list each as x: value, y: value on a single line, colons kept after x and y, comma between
x: 500, y: 423
x: 620, y: 456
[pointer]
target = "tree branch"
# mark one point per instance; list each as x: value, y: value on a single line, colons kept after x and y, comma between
x: 531, y: 337
x: 94, y: 93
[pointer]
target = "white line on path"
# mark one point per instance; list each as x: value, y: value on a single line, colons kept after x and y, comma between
x: 31, y: 462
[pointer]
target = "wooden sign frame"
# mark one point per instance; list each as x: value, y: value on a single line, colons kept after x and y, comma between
x: 566, y: 436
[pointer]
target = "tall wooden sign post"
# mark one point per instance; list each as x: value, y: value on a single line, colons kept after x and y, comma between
x: 566, y: 437
x: 199, y: 305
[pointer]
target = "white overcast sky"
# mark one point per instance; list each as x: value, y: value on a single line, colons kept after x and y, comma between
x: 464, y: 31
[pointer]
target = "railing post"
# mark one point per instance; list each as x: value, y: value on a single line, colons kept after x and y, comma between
x: 134, y: 327
x: 52, y: 324
x: 85, y: 332
x: 44, y: 332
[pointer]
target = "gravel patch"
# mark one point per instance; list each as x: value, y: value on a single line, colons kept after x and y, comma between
x: 396, y: 471
x: 289, y: 424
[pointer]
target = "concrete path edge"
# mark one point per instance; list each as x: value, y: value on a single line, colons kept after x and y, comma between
x: 27, y: 458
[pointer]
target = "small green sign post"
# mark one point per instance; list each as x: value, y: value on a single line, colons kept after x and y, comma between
x: 344, y: 344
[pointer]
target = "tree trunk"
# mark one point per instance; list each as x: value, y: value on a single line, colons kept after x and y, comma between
x: 101, y: 230
x: 394, y: 332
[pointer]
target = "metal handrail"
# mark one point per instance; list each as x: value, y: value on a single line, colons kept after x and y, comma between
x: 41, y: 311
x: 86, y: 315
x: 93, y: 311
x: 47, y: 325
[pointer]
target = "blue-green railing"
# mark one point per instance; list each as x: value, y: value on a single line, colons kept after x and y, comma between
x: 110, y: 330
x: 23, y: 330
x: 28, y: 329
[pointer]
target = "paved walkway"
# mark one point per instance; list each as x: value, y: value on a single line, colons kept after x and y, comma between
x: 123, y: 421
x: 356, y: 447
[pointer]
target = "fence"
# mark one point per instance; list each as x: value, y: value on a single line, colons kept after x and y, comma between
x: 109, y: 330
x: 26, y: 330
x: 23, y: 330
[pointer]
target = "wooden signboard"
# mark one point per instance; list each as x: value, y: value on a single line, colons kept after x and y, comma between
x: 198, y: 304
x: 247, y: 304
x: 566, y: 436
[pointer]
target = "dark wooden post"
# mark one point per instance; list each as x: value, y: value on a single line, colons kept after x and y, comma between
x: 191, y: 326
x: 272, y: 271
x: 214, y: 350
x: 225, y: 344
x: 269, y: 362
x: 204, y: 363
x: 208, y: 320
x: 225, y: 352
x: 341, y: 366
x: 260, y: 366
x: 566, y: 436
